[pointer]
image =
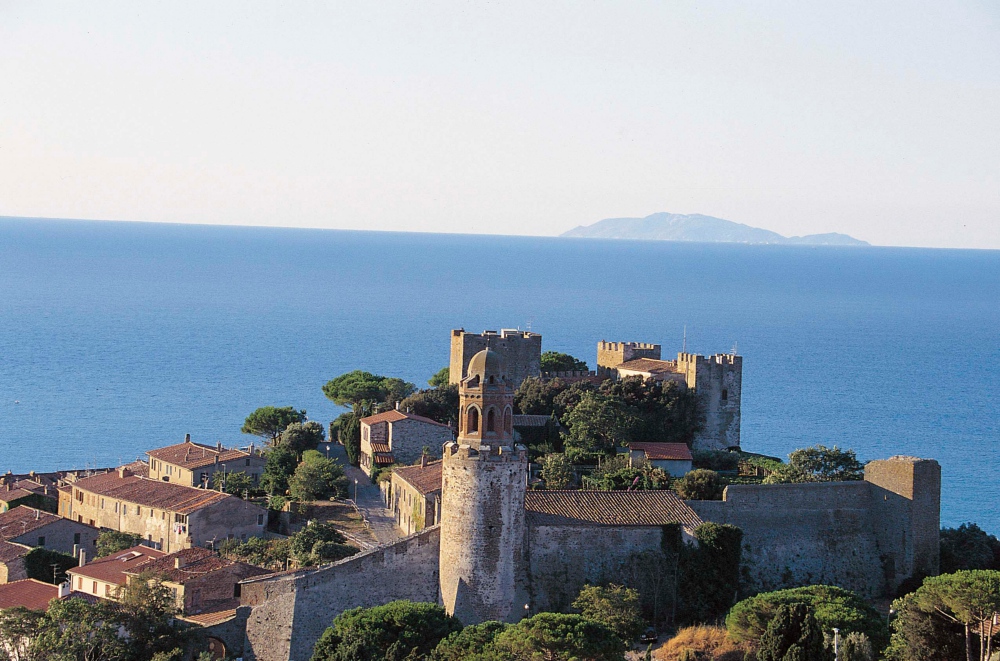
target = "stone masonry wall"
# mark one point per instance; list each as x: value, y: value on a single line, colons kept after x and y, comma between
x: 61, y: 535
x: 408, y: 438
x: 612, y: 354
x: 718, y: 383
x: 291, y: 611
x: 521, y: 350
x: 562, y: 559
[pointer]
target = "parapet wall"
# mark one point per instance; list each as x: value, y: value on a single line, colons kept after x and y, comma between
x: 291, y: 611
x: 866, y: 536
x: 612, y: 354
x: 521, y: 351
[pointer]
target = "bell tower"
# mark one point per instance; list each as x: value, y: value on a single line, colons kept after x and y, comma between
x: 484, y: 478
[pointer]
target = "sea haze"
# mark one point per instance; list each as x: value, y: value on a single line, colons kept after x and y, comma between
x: 120, y: 337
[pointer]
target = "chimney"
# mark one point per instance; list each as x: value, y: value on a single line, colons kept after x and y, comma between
x: 64, y: 589
x: 187, y: 438
x: 216, y: 461
x: 178, y: 563
x: 397, y: 406
x: 218, y: 446
x: 38, y: 514
x: 124, y: 472
x: 76, y: 550
x: 251, y: 449
x: 83, y: 557
x: 423, y: 460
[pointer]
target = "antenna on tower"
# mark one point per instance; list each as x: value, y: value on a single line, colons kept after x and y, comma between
x: 735, y: 348
x: 685, y: 345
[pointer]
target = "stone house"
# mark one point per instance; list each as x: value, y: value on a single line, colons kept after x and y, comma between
x: 398, y: 437
x: 12, y: 561
x: 415, y: 496
x: 200, y: 579
x: 33, y: 527
x: 32, y: 493
x: 674, y: 458
x: 103, y: 576
x: 194, y: 464
x: 169, y: 516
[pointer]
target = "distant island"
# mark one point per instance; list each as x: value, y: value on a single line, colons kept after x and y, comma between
x: 696, y: 227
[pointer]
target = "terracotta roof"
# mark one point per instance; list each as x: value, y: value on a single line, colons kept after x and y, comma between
x: 29, y: 485
x: 14, y: 494
x: 30, y: 593
x: 22, y: 520
x: 663, y: 451
x: 384, y: 459
x: 195, y: 455
x: 12, y: 551
x: 609, y: 508
x: 396, y: 416
x: 521, y: 420
x: 112, y: 568
x: 214, y: 613
x: 648, y: 365
x: 195, y: 563
x: 380, y: 446
x: 140, y: 468
x: 425, y: 479
x: 150, y: 493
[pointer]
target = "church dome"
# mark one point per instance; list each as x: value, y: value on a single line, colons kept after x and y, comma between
x: 486, y: 364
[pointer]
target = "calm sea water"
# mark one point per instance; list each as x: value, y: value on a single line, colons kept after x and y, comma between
x: 120, y: 337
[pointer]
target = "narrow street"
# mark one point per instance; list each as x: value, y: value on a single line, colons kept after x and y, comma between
x: 369, y: 498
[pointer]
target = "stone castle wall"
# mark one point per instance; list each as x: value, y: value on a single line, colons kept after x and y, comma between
x: 612, y: 354
x: 521, y: 350
x: 866, y: 536
x: 291, y: 611
x: 718, y: 383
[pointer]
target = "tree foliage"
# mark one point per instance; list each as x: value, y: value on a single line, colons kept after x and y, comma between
x: 614, y: 606
x: 598, y: 424
x: 818, y: 464
x: 317, y: 477
x: 278, y: 467
x: 553, y: 361
x: 441, y: 378
x: 269, y: 421
x: 397, y: 631
x: 318, y: 543
x: 363, y: 390
x: 557, y: 471
x: 266, y: 553
x: 615, y: 474
x: 700, y: 484
x: 113, y: 541
x: 470, y: 644
x: 348, y: 430
x: 302, y: 436
x: 793, y: 635
x: 236, y: 483
x: 38, y: 565
x: 968, y: 547
x: 968, y: 599
x: 831, y: 606
x: 440, y: 404
x: 716, y: 460
x: 558, y: 637
x: 710, y: 572
x: 920, y: 634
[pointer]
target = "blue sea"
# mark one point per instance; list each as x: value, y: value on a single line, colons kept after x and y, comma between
x: 116, y: 338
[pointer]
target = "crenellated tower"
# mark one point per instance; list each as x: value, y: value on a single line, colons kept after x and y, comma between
x: 484, y: 478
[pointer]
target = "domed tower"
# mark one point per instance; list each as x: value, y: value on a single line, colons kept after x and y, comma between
x: 482, y: 566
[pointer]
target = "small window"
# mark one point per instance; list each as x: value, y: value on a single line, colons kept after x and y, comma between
x: 725, y: 394
x: 473, y: 425
x: 248, y: 461
x: 94, y: 583
x: 76, y: 538
x: 79, y: 583
x: 491, y: 420
x: 41, y: 541
x: 260, y: 519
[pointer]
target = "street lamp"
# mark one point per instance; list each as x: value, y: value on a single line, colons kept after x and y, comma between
x: 355, y: 491
x: 222, y: 485
x: 836, y: 644
x: 327, y: 450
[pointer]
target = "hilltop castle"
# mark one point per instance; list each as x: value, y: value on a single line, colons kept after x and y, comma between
x: 503, y: 552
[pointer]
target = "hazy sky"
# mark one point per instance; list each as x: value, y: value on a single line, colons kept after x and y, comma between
x: 881, y: 120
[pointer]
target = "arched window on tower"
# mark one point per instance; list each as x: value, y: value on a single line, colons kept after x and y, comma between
x: 491, y: 420
x: 507, y: 421
x: 473, y: 425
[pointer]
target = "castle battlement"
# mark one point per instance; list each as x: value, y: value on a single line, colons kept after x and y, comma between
x: 718, y: 359
x: 492, y: 453
x: 622, y: 346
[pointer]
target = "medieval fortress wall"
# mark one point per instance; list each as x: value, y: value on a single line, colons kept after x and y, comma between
x: 866, y: 536
x: 522, y: 352
x: 290, y: 611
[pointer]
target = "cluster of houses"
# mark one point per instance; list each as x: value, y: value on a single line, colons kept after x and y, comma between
x: 166, y: 502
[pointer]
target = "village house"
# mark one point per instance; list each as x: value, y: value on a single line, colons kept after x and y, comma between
x: 28, y: 492
x: 674, y: 458
x: 12, y: 561
x: 399, y: 437
x: 102, y: 577
x: 200, y: 579
x: 30, y: 593
x: 170, y: 517
x: 415, y: 495
x: 193, y: 464
x: 34, y: 527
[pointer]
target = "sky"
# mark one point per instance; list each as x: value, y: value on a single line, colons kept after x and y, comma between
x: 877, y: 119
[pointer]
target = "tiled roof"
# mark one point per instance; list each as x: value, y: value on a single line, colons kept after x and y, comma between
x: 214, y: 613
x: 30, y: 593
x: 14, y: 494
x: 150, y: 493
x: 384, y: 459
x: 609, y: 508
x: 196, y: 562
x: 22, y: 520
x: 195, y: 455
x: 663, y: 451
x: 140, y: 468
x: 12, y: 551
x: 396, y: 416
x: 380, y: 446
x: 112, y: 568
x: 425, y: 479
x: 648, y: 365
x: 521, y: 420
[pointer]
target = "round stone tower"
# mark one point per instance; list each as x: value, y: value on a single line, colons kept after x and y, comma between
x: 482, y: 565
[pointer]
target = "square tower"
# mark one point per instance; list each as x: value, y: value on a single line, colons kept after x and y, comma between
x: 521, y: 351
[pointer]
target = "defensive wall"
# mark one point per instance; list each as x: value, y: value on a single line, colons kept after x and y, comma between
x: 521, y: 351
x: 612, y: 354
x: 718, y: 384
x: 290, y: 611
x: 866, y: 536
